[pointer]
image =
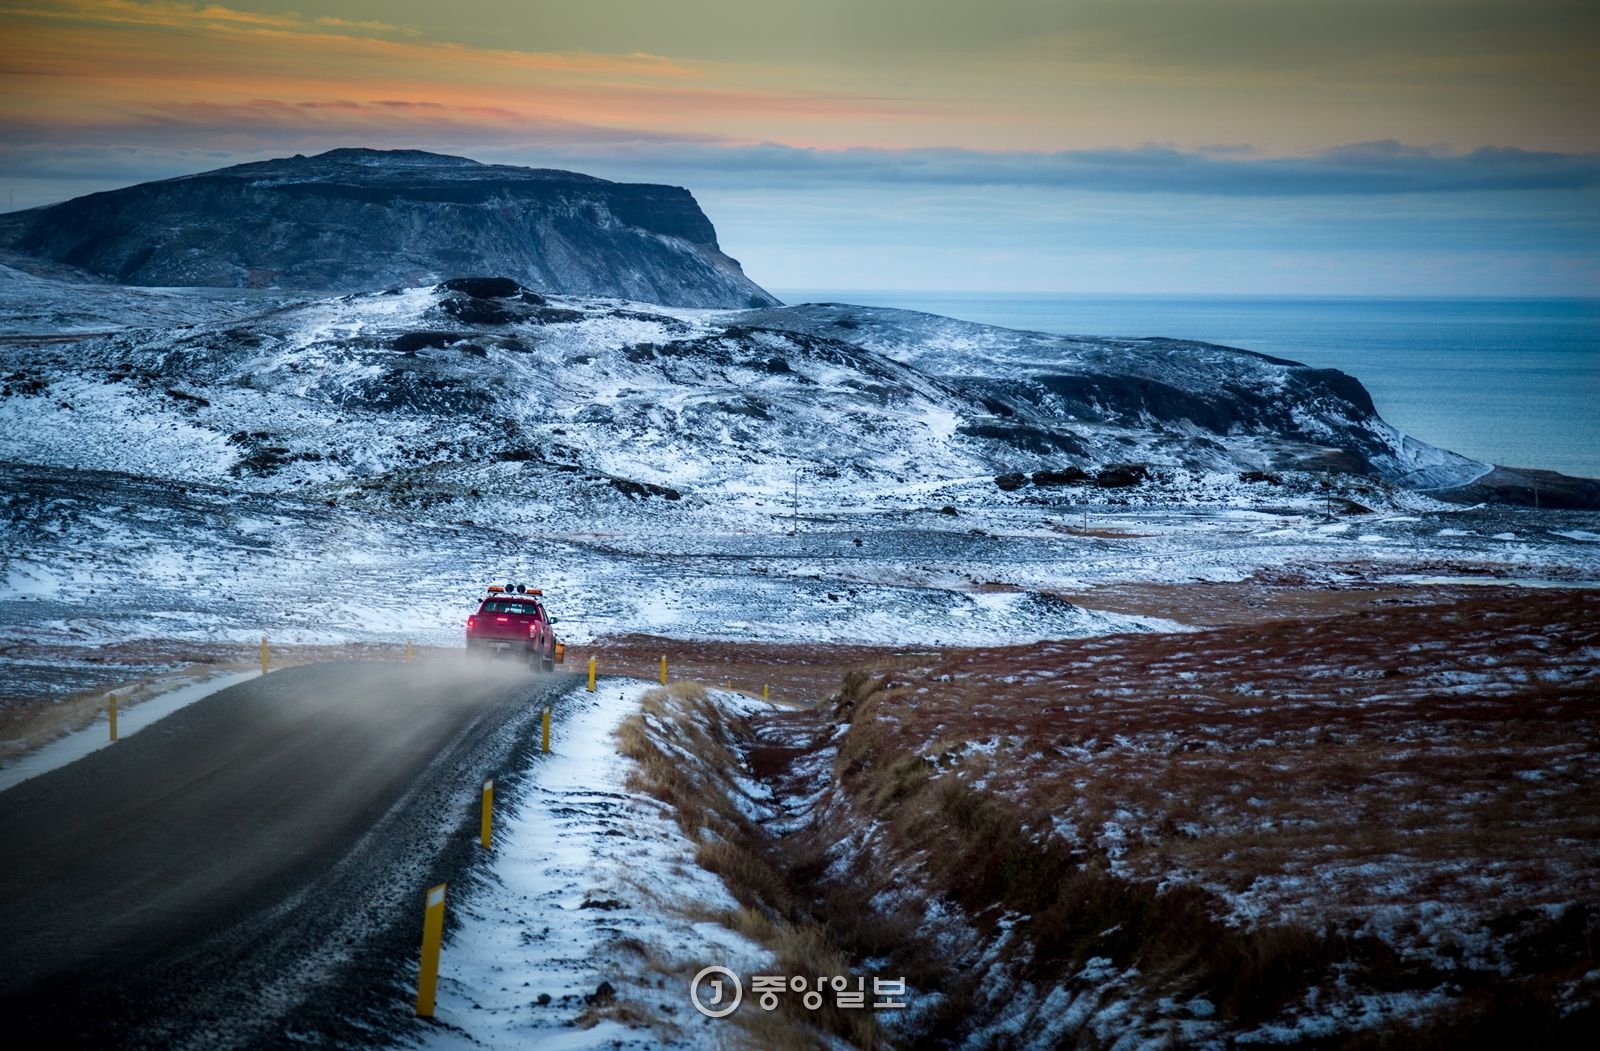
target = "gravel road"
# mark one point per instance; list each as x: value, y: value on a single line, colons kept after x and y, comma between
x: 249, y: 872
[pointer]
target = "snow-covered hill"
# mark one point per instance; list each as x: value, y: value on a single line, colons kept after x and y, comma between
x: 809, y: 473
x: 481, y: 394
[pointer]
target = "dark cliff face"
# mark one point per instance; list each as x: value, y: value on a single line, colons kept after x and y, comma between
x: 369, y: 219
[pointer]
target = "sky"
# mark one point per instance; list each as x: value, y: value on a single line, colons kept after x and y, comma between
x: 1338, y: 147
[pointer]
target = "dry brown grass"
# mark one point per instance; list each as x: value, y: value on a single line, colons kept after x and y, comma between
x: 685, y: 747
x: 1430, y: 735
x: 1268, y: 596
x: 1291, y: 787
x: 797, y: 673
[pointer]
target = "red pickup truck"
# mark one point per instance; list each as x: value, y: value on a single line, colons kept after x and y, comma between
x: 512, y: 620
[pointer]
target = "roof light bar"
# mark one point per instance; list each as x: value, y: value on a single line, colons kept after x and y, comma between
x: 514, y: 589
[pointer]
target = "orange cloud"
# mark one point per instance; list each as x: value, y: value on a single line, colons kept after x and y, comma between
x: 77, y: 64
x: 178, y: 16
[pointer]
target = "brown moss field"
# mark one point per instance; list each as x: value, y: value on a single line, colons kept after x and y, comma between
x: 1378, y: 807
x: 1455, y: 745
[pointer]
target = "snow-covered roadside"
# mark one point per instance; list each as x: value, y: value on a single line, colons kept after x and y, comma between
x: 92, y: 738
x: 590, y: 883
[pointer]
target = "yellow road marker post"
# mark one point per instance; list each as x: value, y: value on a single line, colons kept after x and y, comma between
x: 763, y: 691
x: 546, y: 742
x: 486, y: 823
x: 592, y: 665
x: 432, y: 935
x: 111, y: 710
x: 663, y: 671
x: 408, y: 651
x: 263, y: 655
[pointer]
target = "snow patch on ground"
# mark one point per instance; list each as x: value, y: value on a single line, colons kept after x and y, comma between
x: 583, y: 871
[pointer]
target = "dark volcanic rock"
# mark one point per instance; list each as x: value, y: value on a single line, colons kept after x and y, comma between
x: 640, y: 490
x: 372, y: 219
x: 409, y: 342
x: 482, y: 287
x: 1044, y: 441
x: 1067, y: 476
x: 1011, y: 482
x: 477, y: 311
x: 1119, y: 475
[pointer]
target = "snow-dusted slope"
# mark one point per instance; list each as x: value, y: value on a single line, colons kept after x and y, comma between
x: 480, y: 392
x: 1199, y: 390
x: 358, y: 466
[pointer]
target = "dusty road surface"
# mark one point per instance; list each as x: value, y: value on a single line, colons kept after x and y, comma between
x: 249, y: 871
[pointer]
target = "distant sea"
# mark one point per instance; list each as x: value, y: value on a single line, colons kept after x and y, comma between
x: 1508, y: 381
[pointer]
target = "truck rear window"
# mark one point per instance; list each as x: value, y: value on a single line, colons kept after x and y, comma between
x: 526, y: 609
